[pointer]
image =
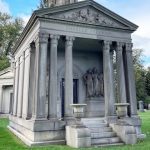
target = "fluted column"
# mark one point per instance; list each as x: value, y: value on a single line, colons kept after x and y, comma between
x: 16, y: 87
x: 131, y: 80
x: 39, y: 109
x: 27, y: 99
x: 120, y: 74
x: 53, y: 77
x: 68, y: 76
x: 108, y: 80
x: 20, y: 87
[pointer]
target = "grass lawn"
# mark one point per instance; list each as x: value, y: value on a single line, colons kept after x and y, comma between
x: 10, y: 142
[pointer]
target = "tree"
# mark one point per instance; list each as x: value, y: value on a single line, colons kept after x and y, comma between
x: 10, y: 30
x: 140, y: 74
x: 147, y: 82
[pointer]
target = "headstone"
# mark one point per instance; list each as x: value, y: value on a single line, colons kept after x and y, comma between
x: 148, y: 106
x: 141, y: 106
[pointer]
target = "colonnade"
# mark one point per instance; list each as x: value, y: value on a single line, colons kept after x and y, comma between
x: 31, y: 73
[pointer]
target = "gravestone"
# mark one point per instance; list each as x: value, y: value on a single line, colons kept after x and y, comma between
x: 141, y: 106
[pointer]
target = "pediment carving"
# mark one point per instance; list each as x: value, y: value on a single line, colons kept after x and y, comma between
x: 90, y: 16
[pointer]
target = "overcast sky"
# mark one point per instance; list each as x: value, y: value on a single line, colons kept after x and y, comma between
x: 137, y: 11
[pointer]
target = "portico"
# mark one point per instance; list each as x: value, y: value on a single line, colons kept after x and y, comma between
x: 65, y: 47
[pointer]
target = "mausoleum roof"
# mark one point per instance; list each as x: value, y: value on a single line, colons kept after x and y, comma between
x: 86, y: 12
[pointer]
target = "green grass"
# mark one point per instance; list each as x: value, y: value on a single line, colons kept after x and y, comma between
x: 10, y: 142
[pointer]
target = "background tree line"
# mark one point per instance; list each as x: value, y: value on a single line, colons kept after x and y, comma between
x: 11, y: 28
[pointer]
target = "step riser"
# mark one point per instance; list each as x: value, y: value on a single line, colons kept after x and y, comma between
x: 103, y: 135
x: 99, y: 130
x: 106, y: 145
x: 105, y: 141
x: 96, y: 125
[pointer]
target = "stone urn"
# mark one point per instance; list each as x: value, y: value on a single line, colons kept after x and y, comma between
x: 122, y: 109
x: 78, y: 111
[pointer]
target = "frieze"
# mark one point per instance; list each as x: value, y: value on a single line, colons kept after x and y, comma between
x: 90, y: 16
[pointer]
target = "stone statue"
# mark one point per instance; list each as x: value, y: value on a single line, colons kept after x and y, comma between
x: 89, y: 83
x: 94, y: 83
x: 101, y: 84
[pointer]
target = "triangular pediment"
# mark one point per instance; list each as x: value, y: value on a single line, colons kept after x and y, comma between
x: 88, y: 12
x: 89, y: 15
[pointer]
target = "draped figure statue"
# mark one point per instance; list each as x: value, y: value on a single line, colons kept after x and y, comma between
x: 93, y: 83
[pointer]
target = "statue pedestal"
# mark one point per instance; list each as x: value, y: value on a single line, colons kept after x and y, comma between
x: 95, y: 107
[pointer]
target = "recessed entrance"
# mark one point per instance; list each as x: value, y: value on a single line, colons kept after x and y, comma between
x: 75, y: 94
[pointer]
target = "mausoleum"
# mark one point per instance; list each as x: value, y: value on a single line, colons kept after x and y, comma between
x: 75, y: 53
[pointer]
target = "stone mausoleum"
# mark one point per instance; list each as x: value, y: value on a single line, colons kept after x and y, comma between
x: 75, y: 53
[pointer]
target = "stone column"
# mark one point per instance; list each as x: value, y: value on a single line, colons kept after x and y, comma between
x: 20, y: 87
x: 16, y: 87
x: 39, y: 106
x: 68, y: 76
x: 27, y: 100
x: 53, y: 77
x: 120, y: 74
x: 131, y: 80
x: 108, y: 80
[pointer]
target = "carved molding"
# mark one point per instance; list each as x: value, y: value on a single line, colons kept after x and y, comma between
x: 87, y: 15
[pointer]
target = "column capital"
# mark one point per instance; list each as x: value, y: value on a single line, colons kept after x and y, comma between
x: 42, y: 37
x: 69, y: 40
x: 120, y: 46
x: 54, y: 38
x: 107, y: 45
x: 129, y: 47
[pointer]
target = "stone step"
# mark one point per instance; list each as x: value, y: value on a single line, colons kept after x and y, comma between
x: 98, y: 130
x: 105, y: 145
x: 103, y: 135
x: 99, y: 120
x: 105, y: 140
x: 93, y: 125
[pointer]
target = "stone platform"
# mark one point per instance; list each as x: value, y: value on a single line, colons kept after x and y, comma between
x: 38, y: 132
x: 95, y: 107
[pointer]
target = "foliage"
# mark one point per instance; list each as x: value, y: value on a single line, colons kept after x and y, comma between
x: 10, y: 142
x: 4, y: 62
x: 139, y: 74
x: 10, y: 30
x: 147, y: 82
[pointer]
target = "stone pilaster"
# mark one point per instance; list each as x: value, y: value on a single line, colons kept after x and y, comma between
x: 68, y: 76
x: 108, y: 80
x: 16, y: 87
x: 39, y: 109
x: 20, y: 87
x: 53, y: 77
x: 27, y: 102
x: 131, y: 80
x: 120, y: 74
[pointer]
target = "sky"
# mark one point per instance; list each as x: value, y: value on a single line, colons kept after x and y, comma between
x: 136, y: 11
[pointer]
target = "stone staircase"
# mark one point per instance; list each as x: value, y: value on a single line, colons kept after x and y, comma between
x: 101, y: 133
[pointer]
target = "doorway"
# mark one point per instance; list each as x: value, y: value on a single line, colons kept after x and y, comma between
x: 75, y: 94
